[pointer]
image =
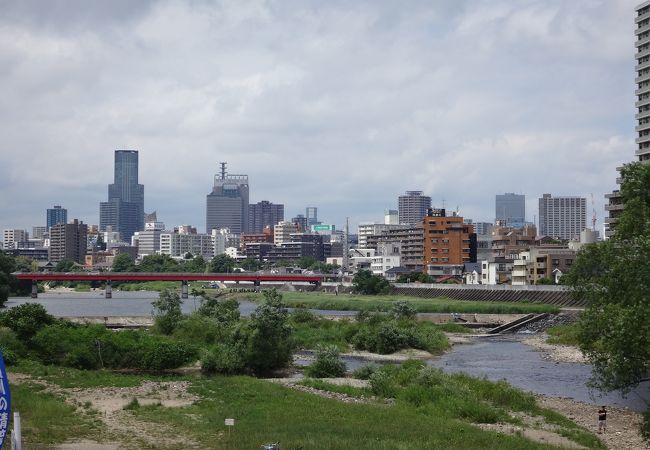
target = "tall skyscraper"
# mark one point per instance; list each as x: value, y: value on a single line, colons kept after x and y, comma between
x: 69, y: 240
x: 264, y: 214
x: 562, y: 217
x: 124, y: 210
x: 510, y: 209
x: 227, y: 204
x: 642, y: 105
x: 311, y: 214
x: 413, y: 206
x: 56, y: 215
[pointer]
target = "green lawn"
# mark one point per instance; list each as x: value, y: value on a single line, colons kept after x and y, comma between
x: 348, y: 302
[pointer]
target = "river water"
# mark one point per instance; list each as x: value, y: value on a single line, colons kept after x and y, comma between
x: 497, y: 358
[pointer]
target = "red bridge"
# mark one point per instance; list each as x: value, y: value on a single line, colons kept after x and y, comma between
x: 108, y: 277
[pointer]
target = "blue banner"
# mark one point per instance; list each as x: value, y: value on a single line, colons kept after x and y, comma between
x: 5, y: 401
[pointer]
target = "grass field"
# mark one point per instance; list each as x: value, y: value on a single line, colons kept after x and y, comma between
x: 348, y: 302
x: 444, y: 417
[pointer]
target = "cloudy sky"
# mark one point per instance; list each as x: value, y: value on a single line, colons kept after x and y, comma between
x: 340, y: 105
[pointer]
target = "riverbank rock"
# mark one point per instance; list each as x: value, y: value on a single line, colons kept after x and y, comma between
x: 563, y: 318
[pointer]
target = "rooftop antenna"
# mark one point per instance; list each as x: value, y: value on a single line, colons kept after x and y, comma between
x: 223, y: 170
x: 593, y: 216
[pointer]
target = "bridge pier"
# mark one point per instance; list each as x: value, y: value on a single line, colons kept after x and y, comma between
x: 34, y: 290
x: 109, y: 290
x: 184, y: 289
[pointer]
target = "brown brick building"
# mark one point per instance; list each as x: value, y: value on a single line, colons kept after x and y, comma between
x: 448, y: 243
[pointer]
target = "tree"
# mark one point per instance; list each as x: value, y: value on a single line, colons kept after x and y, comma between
x: 614, y: 278
x: 365, y: 282
x: 65, y: 265
x: 23, y: 264
x: 167, y: 311
x: 6, y: 279
x: 158, y: 263
x: 221, y: 264
x: 194, y: 265
x: 251, y: 264
x: 266, y: 338
x: 123, y: 263
x: 306, y: 262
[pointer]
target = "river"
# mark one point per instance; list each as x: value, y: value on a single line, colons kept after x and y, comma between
x: 499, y: 358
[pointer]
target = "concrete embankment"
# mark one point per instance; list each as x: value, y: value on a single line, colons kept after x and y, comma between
x: 552, y: 295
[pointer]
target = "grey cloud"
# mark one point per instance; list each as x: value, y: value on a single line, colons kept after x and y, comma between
x: 339, y: 105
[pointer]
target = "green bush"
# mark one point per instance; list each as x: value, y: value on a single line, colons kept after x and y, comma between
x: 364, y: 372
x: 224, y: 312
x: 303, y: 316
x: 93, y: 346
x: 403, y: 310
x: 382, y: 384
x: 81, y: 358
x: 11, y: 347
x: 328, y: 363
x: 222, y: 359
x: 163, y: 355
x: 201, y: 330
x: 390, y: 339
x: 26, y: 319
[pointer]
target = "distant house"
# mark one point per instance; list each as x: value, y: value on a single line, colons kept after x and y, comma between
x: 394, y: 273
x: 472, y: 273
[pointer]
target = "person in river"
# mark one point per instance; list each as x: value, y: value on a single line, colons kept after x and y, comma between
x: 602, y: 419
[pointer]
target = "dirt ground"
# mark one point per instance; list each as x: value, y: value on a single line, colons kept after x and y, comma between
x: 122, y: 429
x: 554, y: 352
x: 622, y: 424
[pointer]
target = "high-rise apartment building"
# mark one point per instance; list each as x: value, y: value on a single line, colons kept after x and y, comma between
x: 39, y: 232
x: 413, y: 207
x: 227, y: 204
x: 124, y: 210
x: 264, y: 214
x: 614, y: 207
x: 562, y: 217
x: 449, y: 243
x: 56, y: 215
x: 12, y: 238
x: 282, y: 232
x: 510, y: 209
x: 69, y: 240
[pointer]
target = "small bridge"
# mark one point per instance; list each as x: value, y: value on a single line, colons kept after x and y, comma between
x: 184, y: 278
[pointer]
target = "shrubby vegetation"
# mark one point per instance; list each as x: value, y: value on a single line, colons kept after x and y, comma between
x: 374, y: 333
x: 328, y: 363
x: 29, y: 332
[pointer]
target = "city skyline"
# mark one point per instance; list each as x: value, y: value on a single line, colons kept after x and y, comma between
x: 422, y: 111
